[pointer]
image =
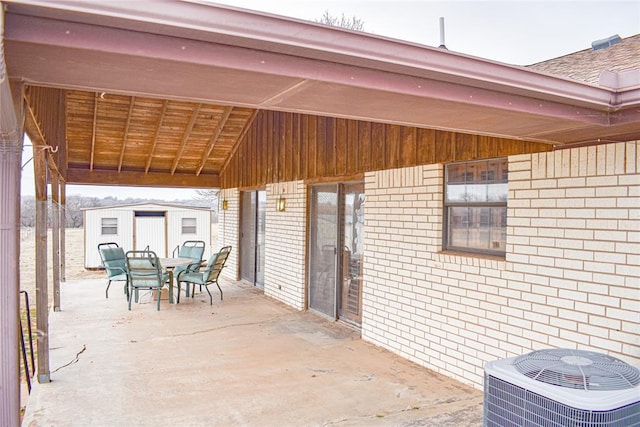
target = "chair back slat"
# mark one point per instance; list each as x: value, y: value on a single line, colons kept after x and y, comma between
x: 216, y: 263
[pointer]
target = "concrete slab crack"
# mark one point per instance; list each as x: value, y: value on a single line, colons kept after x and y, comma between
x: 75, y: 359
x: 235, y: 325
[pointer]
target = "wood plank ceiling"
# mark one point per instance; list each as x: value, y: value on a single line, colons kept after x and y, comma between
x: 117, y: 134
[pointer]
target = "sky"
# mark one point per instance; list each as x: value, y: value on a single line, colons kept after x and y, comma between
x: 510, y: 31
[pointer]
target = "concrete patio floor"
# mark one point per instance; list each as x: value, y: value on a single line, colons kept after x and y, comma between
x: 245, y: 361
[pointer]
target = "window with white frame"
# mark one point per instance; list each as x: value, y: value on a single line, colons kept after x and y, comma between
x: 188, y: 226
x: 109, y: 226
x: 475, y: 206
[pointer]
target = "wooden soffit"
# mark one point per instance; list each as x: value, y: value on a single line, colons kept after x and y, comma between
x: 139, y: 141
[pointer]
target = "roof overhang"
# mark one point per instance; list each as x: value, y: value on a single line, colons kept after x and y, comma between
x: 206, y: 53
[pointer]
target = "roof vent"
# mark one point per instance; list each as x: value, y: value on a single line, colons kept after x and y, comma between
x: 605, y: 43
x: 442, y: 45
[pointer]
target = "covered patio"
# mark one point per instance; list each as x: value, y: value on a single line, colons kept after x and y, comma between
x: 247, y: 360
x: 193, y: 95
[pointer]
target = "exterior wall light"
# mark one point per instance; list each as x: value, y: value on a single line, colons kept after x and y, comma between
x: 225, y: 204
x: 281, y: 204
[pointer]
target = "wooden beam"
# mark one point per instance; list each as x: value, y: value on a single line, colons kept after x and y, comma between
x: 55, y: 237
x: 42, y: 291
x: 63, y: 153
x: 185, y: 138
x: 214, y: 138
x: 126, y: 132
x: 165, y: 104
x: 40, y: 140
x: 141, y: 179
x: 63, y: 229
x: 93, y: 133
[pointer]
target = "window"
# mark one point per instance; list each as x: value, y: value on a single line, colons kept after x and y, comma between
x: 109, y: 226
x: 188, y: 226
x: 476, y: 206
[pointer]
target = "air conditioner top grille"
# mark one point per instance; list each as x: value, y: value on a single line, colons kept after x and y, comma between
x: 578, y: 369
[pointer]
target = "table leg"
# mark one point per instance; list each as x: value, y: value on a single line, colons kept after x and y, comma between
x: 170, y: 286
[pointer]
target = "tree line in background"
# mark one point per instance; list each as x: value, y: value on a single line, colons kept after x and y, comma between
x: 76, y: 204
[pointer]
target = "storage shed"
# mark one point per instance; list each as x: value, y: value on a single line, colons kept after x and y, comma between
x: 161, y: 227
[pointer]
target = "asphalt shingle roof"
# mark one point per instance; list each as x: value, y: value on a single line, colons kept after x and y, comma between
x: 586, y: 65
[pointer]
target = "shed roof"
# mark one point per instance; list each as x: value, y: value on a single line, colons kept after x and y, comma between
x: 147, y: 206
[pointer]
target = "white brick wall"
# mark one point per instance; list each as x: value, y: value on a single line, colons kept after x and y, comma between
x: 570, y: 277
x: 228, y: 231
x: 285, y: 244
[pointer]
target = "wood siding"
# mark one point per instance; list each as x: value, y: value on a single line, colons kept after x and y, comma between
x: 46, y: 111
x: 282, y: 147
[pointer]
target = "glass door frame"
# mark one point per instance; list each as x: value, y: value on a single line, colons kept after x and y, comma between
x: 258, y: 202
x: 310, y: 270
x: 350, y: 257
x: 339, y: 188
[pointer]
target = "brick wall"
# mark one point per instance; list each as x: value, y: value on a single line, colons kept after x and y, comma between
x: 229, y: 221
x: 285, y: 244
x: 570, y: 277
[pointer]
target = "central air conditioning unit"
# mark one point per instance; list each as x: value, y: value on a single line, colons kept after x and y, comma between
x: 560, y: 388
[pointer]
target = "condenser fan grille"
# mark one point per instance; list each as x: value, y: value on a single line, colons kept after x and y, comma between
x: 578, y: 369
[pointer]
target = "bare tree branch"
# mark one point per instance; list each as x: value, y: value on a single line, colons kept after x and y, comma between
x: 351, y: 23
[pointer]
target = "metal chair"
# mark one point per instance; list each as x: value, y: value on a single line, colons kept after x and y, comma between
x: 193, y: 249
x: 144, y: 272
x: 207, y: 276
x: 114, y: 263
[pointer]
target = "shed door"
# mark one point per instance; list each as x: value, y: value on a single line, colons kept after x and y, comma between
x: 151, y: 230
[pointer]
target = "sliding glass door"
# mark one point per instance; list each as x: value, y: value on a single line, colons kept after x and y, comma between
x: 350, y: 301
x: 252, y: 237
x: 336, y: 225
x: 323, y: 240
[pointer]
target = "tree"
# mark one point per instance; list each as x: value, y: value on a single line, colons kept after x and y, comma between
x: 74, y: 206
x: 28, y: 212
x: 352, y: 23
x: 210, y: 198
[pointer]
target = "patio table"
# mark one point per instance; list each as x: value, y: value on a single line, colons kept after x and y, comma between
x: 169, y: 264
